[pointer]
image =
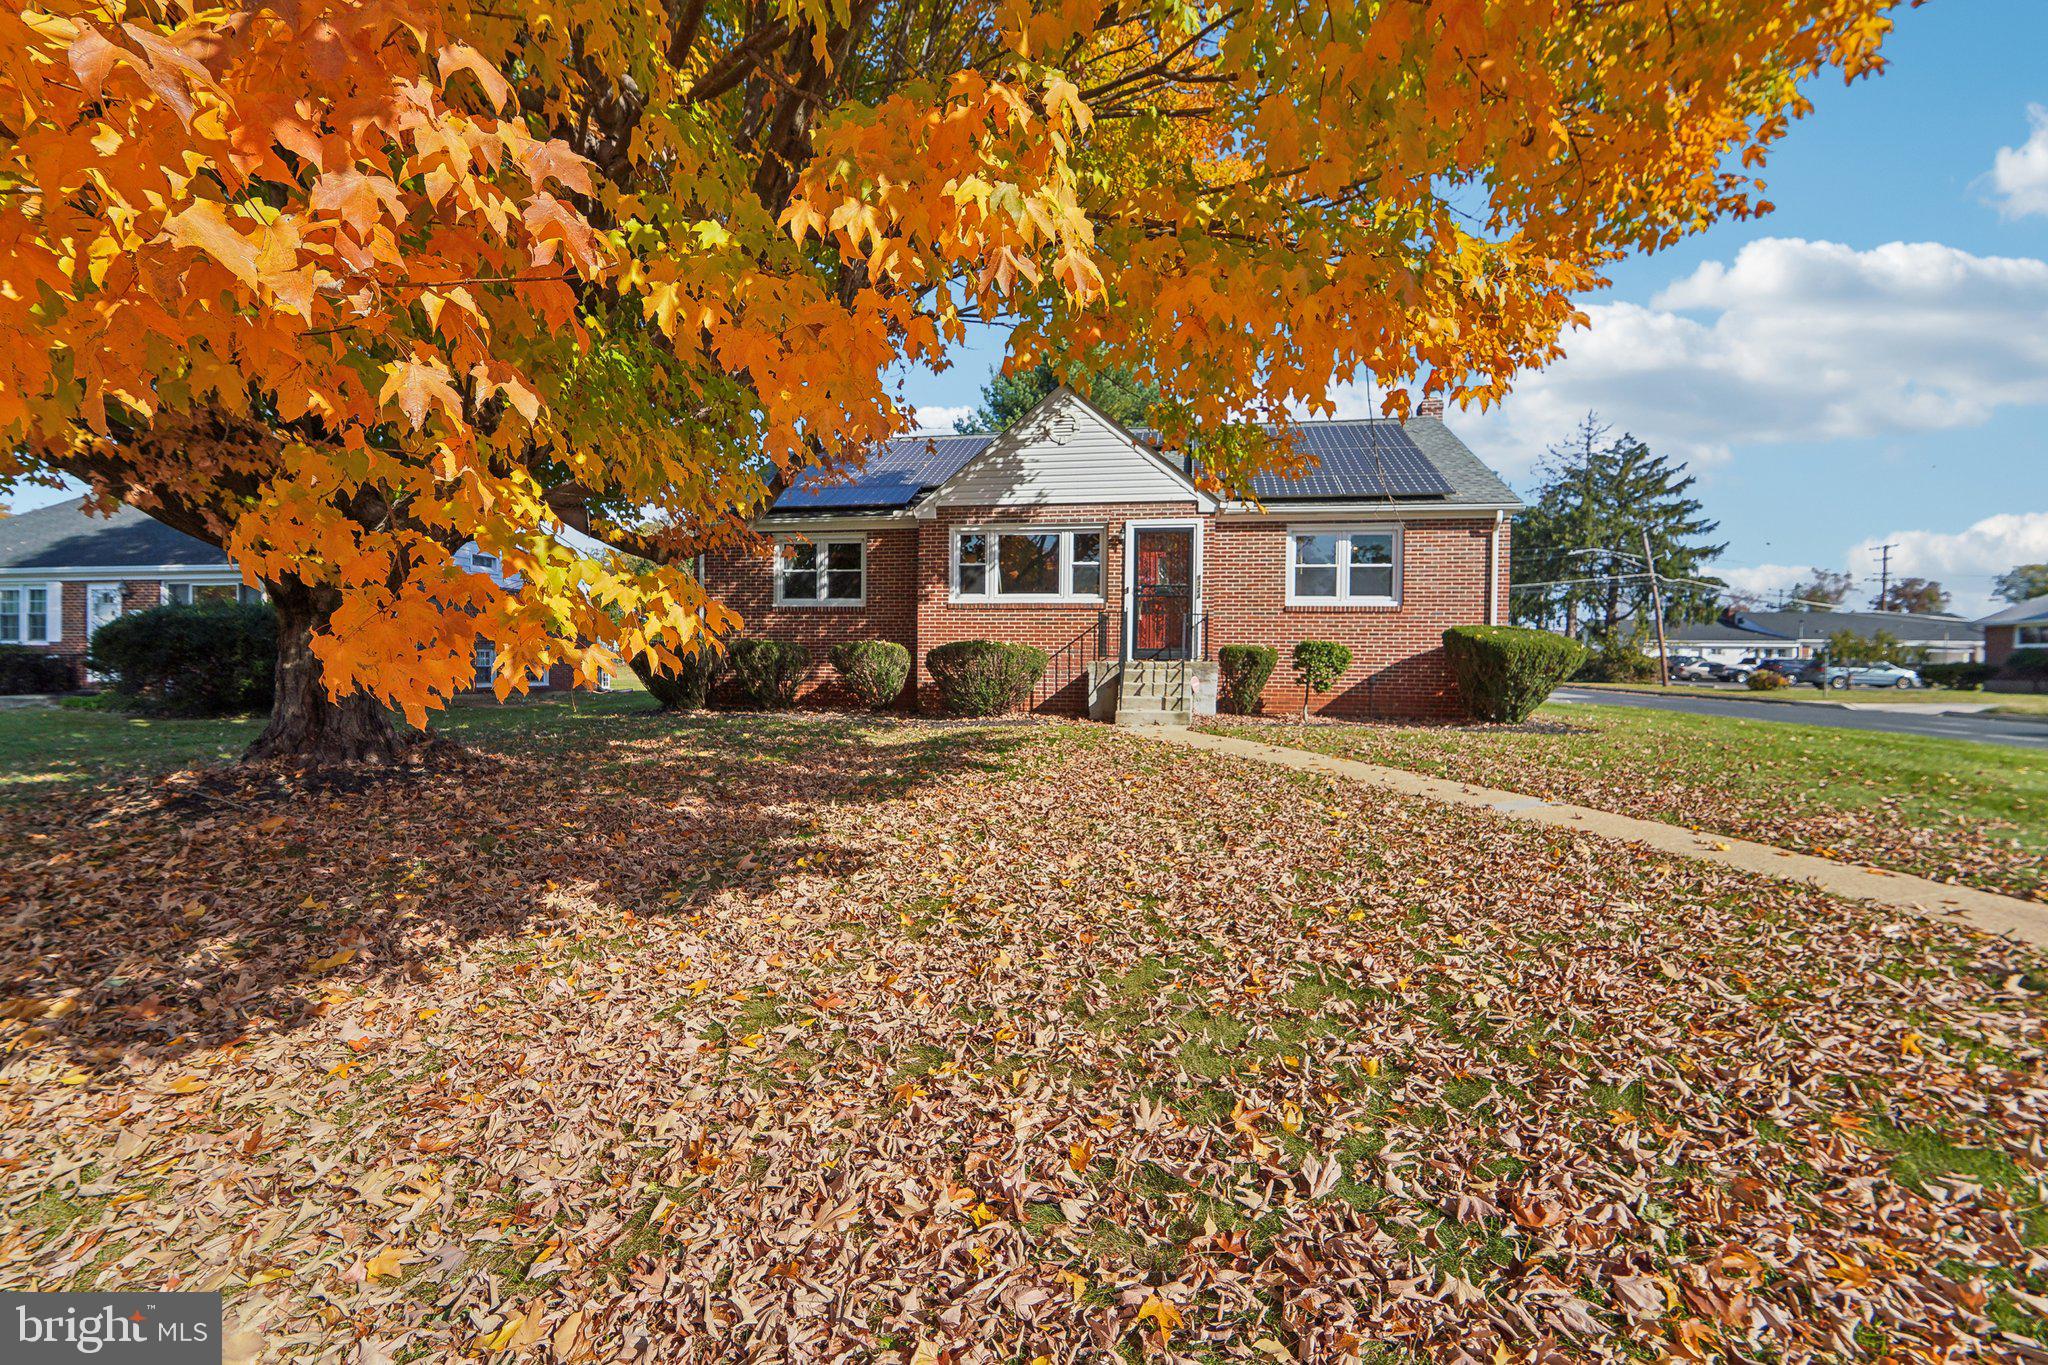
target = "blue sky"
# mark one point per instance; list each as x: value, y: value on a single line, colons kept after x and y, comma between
x: 1874, y: 368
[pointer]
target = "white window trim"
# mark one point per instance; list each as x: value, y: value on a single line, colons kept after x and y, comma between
x: 1343, y: 565
x: 489, y: 670
x: 2028, y: 635
x: 53, y: 611
x: 988, y: 596
x: 821, y: 603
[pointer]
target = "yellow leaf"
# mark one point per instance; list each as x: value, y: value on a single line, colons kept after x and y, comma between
x: 186, y: 1085
x: 335, y: 959
x: 1162, y: 1315
x: 385, y: 1264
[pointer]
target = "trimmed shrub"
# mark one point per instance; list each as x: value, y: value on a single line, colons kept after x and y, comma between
x: 1317, y: 666
x: 2026, y: 663
x: 1242, y: 672
x: 1766, y: 680
x: 874, y: 670
x: 1965, y: 676
x: 686, y: 689
x: 24, y: 672
x: 1505, y: 672
x: 985, y: 677
x: 1617, y: 661
x: 767, y: 673
x: 208, y: 659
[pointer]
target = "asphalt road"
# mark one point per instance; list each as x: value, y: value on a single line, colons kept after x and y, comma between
x: 1982, y: 729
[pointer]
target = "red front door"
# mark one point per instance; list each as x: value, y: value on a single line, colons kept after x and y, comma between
x: 1165, y: 593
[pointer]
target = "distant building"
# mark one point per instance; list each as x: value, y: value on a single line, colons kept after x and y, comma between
x: 1803, y: 634
x: 2023, y: 625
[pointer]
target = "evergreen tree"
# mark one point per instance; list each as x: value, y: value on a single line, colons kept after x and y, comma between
x: 1599, y: 495
x: 1006, y: 397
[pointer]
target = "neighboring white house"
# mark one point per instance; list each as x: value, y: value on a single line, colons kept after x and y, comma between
x: 1803, y: 634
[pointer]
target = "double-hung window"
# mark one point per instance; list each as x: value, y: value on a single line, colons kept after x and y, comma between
x: 1027, y: 565
x: 821, y: 571
x: 187, y: 594
x: 28, y: 615
x: 1344, y: 566
x: 483, y: 664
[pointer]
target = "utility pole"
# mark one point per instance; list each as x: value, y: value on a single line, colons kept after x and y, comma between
x: 1884, y: 574
x: 1657, y: 605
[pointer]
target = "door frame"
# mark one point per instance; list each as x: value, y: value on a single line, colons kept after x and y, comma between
x: 120, y: 604
x: 1130, y: 553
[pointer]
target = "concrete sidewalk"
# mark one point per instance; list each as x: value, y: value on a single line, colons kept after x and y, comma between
x: 2026, y: 921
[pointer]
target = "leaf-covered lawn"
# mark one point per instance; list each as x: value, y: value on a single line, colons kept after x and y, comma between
x: 1956, y: 811
x: 820, y: 1039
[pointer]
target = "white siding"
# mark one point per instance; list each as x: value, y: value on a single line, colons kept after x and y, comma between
x: 1062, y: 453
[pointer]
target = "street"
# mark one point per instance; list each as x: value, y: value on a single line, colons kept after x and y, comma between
x: 1983, y: 729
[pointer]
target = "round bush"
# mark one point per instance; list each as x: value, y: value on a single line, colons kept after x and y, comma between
x: 767, y: 673
x: 27, y: 672
x: 209, y: 659
x: 686, y: 689
x: 874, y: 670
x: 1242, y: 672
x: 985, y: 677
x: 1766, y: 680
x: 1505, y: 672
x: 1319, y: 663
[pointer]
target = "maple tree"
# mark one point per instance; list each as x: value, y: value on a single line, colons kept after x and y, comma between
x: 341, y: 287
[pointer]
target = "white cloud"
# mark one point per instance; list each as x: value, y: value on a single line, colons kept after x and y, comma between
x: 2019, y: 175
x: 939, y: 418
x: 1794, y: 340
x: 1962, y: 561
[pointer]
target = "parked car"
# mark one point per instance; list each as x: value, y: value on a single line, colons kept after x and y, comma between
x: 1791, y: 669
x: 1691, y: 668
x: 1737, y: 672
x: 1839, y: 676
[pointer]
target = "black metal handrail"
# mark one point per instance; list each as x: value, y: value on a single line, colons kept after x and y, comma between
x: 1071, y: 660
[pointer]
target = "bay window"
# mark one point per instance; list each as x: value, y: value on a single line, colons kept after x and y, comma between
x: 1357, y: 566
x: 821, y: 572
x: 1027, y: 565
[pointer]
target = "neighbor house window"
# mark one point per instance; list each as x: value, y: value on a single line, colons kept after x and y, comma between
x: 185, y: 594
x: 820, y: 572
x: 2030, y: 635
x: 483, y: 663
x: 1344, y: 566
x: 1028, y: 565
x: 28, y: 615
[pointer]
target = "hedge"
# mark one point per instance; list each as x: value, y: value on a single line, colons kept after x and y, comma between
x: 686, y: 689
x: 25, y: 672
x: 767, y: 673
x: 1965, y: 676
x: 985, y: 677
x: 874, y: 670
x: 1242, y: 673
x: 2026, y: 663
x: 208, y: 659
x: 1505, y: 672
x: 1618, y: 661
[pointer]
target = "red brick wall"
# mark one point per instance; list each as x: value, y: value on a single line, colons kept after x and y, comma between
x: 1999, y: 643
x: 1398, y: 667
x: 745, y: 581
x: 136, y: 594
x: 1051, y: 626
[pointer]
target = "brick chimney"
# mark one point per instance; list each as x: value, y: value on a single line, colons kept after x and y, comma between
x: 1432, y: 406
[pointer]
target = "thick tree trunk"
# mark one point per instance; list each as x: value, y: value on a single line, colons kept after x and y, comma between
x: 307, y: 727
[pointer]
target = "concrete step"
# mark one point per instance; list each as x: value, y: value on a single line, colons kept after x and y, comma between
x: 1130, y: 715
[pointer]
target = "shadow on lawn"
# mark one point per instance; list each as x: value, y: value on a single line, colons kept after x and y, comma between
x: 142, y: 923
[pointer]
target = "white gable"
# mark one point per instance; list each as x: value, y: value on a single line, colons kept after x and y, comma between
x: 1064, y: 452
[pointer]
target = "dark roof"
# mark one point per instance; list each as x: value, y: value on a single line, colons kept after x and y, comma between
x: 895, y: 475
x: 2019, y: 613
x: 1354, y: 459
x: 1713, y: 633
x: 1904, y: 627
x: 63, y: 535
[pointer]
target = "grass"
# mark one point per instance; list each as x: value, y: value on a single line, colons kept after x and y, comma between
x: 1934, y: 698
x: 1945, y: 808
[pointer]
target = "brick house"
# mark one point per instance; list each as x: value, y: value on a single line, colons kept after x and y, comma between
x: 2023, y: 625
x: 1077, y: 535
x: 65, y: 572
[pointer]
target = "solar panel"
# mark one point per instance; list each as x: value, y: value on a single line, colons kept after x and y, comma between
x: 1360, y: 459
x: 893, y: 476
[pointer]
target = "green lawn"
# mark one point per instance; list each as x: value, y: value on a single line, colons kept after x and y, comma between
x: 1973, y: 813
x: 1935, y: 698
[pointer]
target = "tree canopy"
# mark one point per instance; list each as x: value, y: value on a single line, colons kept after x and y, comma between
x: 2022, y: 582
x: 342, y: 287
x: 1821, y: 591
x: 1009, y: 394
x: 1922, y: 596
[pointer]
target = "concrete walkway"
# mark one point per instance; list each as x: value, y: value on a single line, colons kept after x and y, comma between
x: 2026, y: 921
